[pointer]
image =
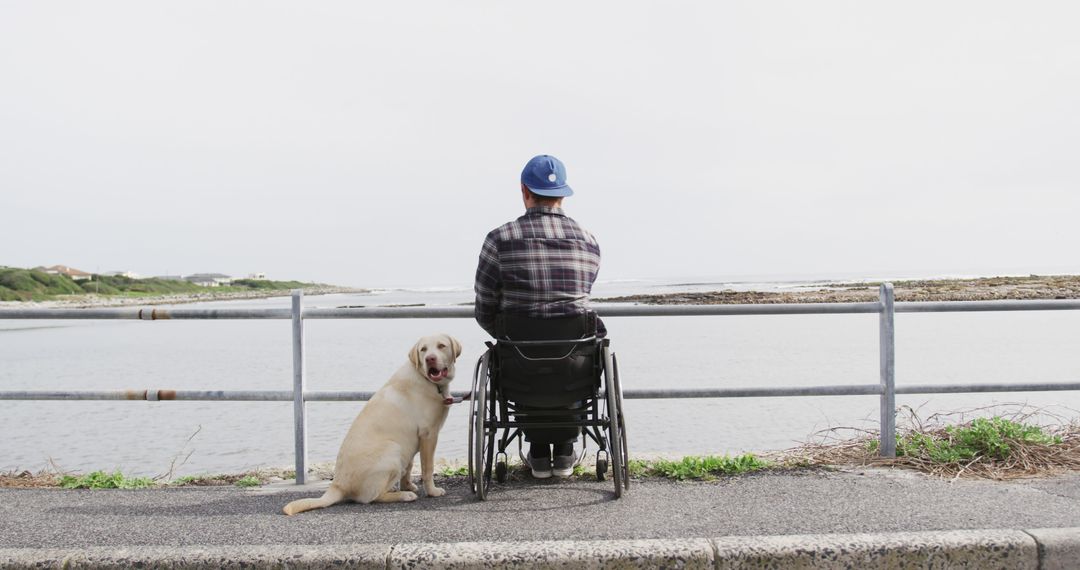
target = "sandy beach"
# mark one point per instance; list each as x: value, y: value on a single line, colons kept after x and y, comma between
x: 974, y: 289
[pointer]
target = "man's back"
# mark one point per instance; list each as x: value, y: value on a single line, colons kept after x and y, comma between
x: 542, y: 265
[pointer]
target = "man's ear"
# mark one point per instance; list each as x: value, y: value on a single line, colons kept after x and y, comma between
x: 454, y: 344
x: 414, y: 355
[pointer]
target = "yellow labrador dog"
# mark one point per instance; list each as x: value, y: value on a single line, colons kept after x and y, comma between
x: 403, y: 417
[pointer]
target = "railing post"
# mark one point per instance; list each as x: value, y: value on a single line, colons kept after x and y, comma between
x: 887, y: 341
x: 299, y: 418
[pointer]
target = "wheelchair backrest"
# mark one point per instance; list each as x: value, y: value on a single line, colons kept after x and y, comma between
x: 547, y: 362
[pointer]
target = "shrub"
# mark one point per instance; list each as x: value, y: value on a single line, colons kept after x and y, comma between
x: 993, y: 438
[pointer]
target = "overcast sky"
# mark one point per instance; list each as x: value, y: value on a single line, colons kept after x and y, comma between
x: 375, y: 144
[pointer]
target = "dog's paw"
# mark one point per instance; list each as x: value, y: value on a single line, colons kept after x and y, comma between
x: 408, y: 496
x: 435, y: 491
x: 409, y: 486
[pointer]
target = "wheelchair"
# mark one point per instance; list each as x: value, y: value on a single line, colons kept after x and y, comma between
x: 545, y: 373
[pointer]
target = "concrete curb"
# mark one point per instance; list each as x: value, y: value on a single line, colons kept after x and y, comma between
x: 1034, y: 549
x: 365, y: 556
x: 676, y: 553
x: 946, y: 549
x: 1059, y: 548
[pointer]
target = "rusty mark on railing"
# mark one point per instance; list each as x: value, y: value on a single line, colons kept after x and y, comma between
x: 150, y: 395
x: 153, y: 314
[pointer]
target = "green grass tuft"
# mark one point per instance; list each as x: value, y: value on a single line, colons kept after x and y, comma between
x: 188, y: 479
x: 103, y: 480
x: 459, y: 471
x: 698, y: 467
x: 249, y: 481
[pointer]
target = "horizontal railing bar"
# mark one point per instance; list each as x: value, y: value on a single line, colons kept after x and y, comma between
x: 342, y: 396
x: 145, y: 314
x: 151, y: 395
x: 843, y: 390
x: 978, y: 306
x: 618, y: 310
x: 718, y: 310
x: 233, y: 395
x: 1000, y: 387
x: 642, y: 394
x: 193, y: 395
x: 458, y: 312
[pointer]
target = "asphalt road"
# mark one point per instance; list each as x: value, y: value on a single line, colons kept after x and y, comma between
x: 811, y: 502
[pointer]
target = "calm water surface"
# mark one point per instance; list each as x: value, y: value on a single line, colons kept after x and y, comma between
x: 147, y: 437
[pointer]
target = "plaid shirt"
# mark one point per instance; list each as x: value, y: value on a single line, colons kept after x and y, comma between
x: 542, y: 264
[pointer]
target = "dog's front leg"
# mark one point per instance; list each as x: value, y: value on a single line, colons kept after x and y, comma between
x: 406, y: 478
x: 427, y: 465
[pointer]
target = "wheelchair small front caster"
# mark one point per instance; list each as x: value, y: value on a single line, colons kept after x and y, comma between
x: 500, y: 471
x: 601, y: 466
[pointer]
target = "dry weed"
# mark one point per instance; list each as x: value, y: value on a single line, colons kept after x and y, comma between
x: 1054, y: 451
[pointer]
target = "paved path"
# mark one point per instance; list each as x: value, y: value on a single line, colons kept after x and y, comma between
x: 814, y: 502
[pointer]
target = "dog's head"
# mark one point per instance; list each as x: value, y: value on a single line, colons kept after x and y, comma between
x: 434, y: 356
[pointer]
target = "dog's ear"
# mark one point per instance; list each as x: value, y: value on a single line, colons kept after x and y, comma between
x: 414, y: 355
x: 454, y: 344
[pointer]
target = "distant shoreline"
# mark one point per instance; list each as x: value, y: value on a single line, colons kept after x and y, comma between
x: 1038, y: 287
x: 974, y: 289
x: 93, y: 302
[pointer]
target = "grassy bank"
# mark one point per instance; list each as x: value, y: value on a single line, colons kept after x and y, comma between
x: 31, y: 285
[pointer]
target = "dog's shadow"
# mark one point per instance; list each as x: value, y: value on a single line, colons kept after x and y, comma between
x: 513, y: 497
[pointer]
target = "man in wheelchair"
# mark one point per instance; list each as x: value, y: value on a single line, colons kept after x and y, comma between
x: 533, y: 279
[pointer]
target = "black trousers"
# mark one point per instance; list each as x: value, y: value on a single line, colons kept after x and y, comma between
x: 554, y: 435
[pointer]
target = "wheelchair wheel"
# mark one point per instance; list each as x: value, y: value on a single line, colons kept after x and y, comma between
x: 622, y: 424
x: 601, y: 466
x: 480, y: 364
x: 481, y: 435
x: 614, y: 433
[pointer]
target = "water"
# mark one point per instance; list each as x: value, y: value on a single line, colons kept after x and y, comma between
x: 146, y: 438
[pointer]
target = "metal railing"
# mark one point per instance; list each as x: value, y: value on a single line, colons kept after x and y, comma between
x: 885, y: 388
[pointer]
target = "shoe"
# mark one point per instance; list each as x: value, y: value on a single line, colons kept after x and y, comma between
x: 541, y: 466
x: 563, y: 466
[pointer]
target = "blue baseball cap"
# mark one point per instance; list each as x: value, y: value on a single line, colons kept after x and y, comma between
x: 545, y: 175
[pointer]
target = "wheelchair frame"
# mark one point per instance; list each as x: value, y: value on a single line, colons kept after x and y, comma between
x: 489, y: 412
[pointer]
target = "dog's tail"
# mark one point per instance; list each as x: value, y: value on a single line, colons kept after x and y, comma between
x: 332, y: 496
